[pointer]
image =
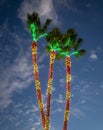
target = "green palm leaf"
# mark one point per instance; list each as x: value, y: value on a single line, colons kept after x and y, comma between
x: 47, y: 23
x: 34, y: 26
x: 77, y: 44
x: 80, y: 53
x: 53, y: 39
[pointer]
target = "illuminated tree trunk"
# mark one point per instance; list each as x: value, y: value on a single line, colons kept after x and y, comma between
x: 67, y: 107
x: 49, y: 90
x: 37, y: 82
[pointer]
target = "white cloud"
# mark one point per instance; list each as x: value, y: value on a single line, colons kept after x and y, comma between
x: 62, y: 82
x: 83, y: 101
x: 17, y: 76
x: 45, y: 8
x: 16, y: 69
x: 76, y: 112
x: 60, y: 99
x: 93, y: 56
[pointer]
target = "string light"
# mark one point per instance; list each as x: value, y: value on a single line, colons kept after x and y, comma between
x: 67, y: 95
x: 52, y: 58
x: 68, y: 78
x: 40, y: 104
x: 66, y: 115
x: 37, y: 82
x: 49, y: 85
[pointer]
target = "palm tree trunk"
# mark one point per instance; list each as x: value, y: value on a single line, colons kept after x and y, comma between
x: 67, y: 107
x: 49, y: 90
x: 37, y: 82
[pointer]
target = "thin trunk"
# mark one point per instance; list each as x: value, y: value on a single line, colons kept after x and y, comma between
x: 37, y: 82
x: 49, y: 90
x: 67, y: 107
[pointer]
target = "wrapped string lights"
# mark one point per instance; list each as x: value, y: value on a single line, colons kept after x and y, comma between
x: 37, y: 82
x: 50, y: 79
x: 59, y: 45
x: 68, y: 93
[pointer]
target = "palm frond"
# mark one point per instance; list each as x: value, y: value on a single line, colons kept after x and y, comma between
x: 54, y: 35
x: 70, y: 31
x: 33, y: 18
x: 59, y: 56
x: 77, y: 44
x: 47, y: 23
x: 53, y: 39
x: 80, y: 53
x: 34, y: 25
x: 48, y: 49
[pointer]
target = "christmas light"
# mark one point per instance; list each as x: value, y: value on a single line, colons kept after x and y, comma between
x: 68, y: 41
x: 33, y: 31
x: 66, y: 115
x: 49, y: 89
x: 37, y: 82
x: 67, y: 95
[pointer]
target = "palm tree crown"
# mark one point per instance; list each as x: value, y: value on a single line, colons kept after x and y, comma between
x: 69, y: 44
x: 53, y: 39
x: 34, y: 26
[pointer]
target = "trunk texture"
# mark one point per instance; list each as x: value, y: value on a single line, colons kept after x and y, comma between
x: 37, y: 82
x: 49, y: 90
x: 68, y: 79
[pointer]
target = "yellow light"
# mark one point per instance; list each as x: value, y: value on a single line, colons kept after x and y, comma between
x: 47, y: 123
x: 49, y: 90
x: 66, y: 115
x: 67, y: 95
x: 37, y: 84
x: 51, y: 61
x: 52, y: 57
x: 68, y: 78
x: 35, y: 67
x: 49, y: 85
x: 40, y: 104
x: 34, y: 52
x: 68, y: 62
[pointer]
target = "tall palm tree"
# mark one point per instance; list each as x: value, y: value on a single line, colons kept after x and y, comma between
x: 70, y: 46
x: 34, y: 26
x: 53, y: 39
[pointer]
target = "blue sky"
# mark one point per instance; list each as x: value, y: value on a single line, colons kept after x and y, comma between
x: 18, y: 102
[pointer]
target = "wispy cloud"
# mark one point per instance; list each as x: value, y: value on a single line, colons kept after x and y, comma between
x: 17, y: 76
x: 96, y: 54
x: 45, y: 8
x: 60, y: 99
x: 16, y: 67
x: 76, y: 112
x: 22, y: 116
x: 93, y: 56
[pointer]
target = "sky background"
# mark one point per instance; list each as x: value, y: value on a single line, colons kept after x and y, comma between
x: 18, y: 102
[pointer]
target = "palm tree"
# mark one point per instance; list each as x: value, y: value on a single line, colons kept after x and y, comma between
x: 70, y: 46
x: 34, y: 26
x: 53, y: 39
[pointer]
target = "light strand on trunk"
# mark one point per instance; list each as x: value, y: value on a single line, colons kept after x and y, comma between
x: 68, y: 79
x: 49, y: 90
x: 37, y: 82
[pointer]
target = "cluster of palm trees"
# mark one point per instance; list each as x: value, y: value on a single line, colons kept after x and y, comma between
x: 59, y: 46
